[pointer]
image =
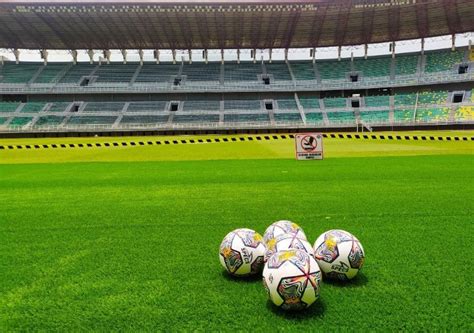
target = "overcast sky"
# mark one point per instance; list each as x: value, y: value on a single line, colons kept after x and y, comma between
x: 278, y: 54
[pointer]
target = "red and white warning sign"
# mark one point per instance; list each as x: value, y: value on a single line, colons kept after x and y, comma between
x: 309, y: 146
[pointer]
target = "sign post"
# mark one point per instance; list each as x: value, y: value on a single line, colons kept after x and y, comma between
x: 309, y: 146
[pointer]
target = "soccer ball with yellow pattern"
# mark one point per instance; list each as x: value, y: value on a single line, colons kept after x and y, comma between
x: 339, y: 254
x: 282, y: 227
x: 292, y: 279
x: 241, y: 252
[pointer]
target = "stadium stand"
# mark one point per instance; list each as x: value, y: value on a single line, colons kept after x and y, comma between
x: 375, y: 116
x: 334, y: 70
x: 309, y: 103
x: 303, y: 70
x: 287, y: 117
x: 443, y: 60
x: 50, y: 73
x: 406, y: 64
x: 157, y: 73
x: 373, y: 67
x: 17, y: 74
x: 33, y: 107
x: 77, y: 72
x: 314, y: 118
x: 202, y: 72
x: 8, y: 106
x: 377, y: 101
x: 151, y: 106
x: 279, y: 71
x: 245, y: 71
x: 115, y: 73
x: 247, y: 117
x: 330, y: 103
x: 341, y: 117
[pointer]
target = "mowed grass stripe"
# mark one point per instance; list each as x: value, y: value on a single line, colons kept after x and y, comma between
x: 133, y: 246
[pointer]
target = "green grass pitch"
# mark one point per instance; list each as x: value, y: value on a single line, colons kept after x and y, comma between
x: 129, y: 242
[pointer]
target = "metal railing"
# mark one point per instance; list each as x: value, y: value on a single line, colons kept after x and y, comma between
x: 238, y: 86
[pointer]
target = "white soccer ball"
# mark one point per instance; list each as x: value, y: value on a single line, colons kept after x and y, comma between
x: 339, y: 254
x: 288, y: 242
x: 241, y: 252
x: 282, y: 227
x: 292, y: 279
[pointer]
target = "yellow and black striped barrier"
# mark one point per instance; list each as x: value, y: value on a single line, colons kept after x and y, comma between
x: 247, y: 138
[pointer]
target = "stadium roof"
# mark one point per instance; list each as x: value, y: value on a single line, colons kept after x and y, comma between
x: 210, y: 24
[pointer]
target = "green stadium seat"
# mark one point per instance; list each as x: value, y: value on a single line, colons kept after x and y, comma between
x: 433, y: 97
x: 151, y: 106
x: 33, y: 107
x: 202, y: 72
x: 200, y: 118
x: 333, y: 69
x: 403, y: 115
x: 201, y: 105
x: 377, y: 101
x: 50, y: 73
x: 245, y: 71
x: 287, y: 117
x: 76, y: 72
x: 287, y: 104
x: 247, y: 117
x: 340, y: 103
x: 375, y: 116
x: 279, y: 70
x: 432, y: 114
x: 49, y: 121
x: 22, y: 73
x: 160, y: 119
x: 314, y: 118
x: 20, y: 121
x: 408, y: 99
x: 439, y: 61
x: 116, y: 73
x: 242, y: 104
x: 59, y: 106
x: 91, y: 120
x: 303, y: 70
x: 406, y: 64
x: 157, y: 73
x: 103, y: 107
x: 341, y: 117
x: 309, y: 103
x: 373, y: 67
x: 8, y: 106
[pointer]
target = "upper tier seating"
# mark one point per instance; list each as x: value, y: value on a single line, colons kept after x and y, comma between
x: 408, y: 99
x: 432, y: 97
x: 116, y: 73
x: 279, y: 70
x: 465, y: 112
x: 202, y: 71
x: 201, y: 105
x: 33, y: 107
x: 443, y: 60
x: 50, y: 73
x: 330, y: 103
x: 199, y: 118
x: 245, y: 71
x: 333, y: 69
x: 153, y: 73
x: 59, y: 106
x: 373, y: 67
x: 151, y: 106
x: 21, y: 73
x: 406, y: 64
x: 309, y: 102
x: 8, y: 106
x: 103, y: 106
x: 377, y: 101
x: 242, y: 104
x: 303, y: 70
x: 76, y: 72
x: 287, y: 104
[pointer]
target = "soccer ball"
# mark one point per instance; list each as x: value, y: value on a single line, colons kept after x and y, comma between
x: 241, y: 252
x: 339, y: 254
x: 282, y: 227
x: 292, y: 279
x: 287, y: 242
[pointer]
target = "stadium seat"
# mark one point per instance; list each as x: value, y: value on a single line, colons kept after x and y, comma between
x: 50, y: 73
x: 33, y: 107
x: 245, y: 71
x: 314, y: 118
x: 439, y: 61
x: 432, y: 114
x: 242, y: 105
x: 152, y: 106
x: 287, y: 104
x: 201, y: 105
x: 406, y: 64
x: 330, y: 103
x: 91, y: 120
x: 309, y: 103
x: 377, y: 101
x: 49, y: 120
x: 373, y: 67
x: 103, y: 107
x: 287, y: 117
x: 22, y: 73
x: 76, y: 72
x: 333, y: 69
x: 20, y: 121
x: 341, y: 117
x: 200, y: 118
x: 137, y: 120
x: 408, y: 99
x: 197, y: 72
x: 115, y: 73
x: 246, y: 117
x: 279, y: 71
x: 403, y: 115
x: 375, y: 116
x: 303, y: 70
x: 8, y: 106
x: 157, y: 73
